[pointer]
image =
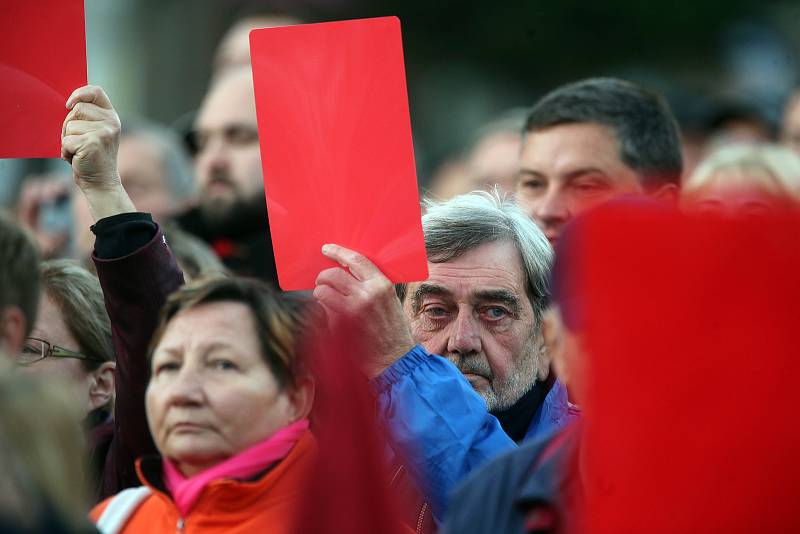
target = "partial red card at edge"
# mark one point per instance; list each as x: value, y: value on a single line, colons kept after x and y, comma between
x: 690, y: 338
x: 336, y: 147
x: 42, y: 61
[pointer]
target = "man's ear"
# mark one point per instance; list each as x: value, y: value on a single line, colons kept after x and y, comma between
x: 12, y: 329
x: 552, y: 333
x: 301, y: 398
x: 667, y: 193
x: 101, y: 386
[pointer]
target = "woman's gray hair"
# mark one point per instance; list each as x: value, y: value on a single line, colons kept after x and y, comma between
x: 456, y: 226
x: 78, y: 295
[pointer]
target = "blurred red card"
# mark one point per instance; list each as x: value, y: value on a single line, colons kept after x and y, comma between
x: 336, y: 147
x: 42, y: 61
x: 690, y: 324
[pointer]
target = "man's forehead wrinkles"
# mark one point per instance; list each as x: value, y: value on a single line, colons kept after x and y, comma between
x: 461, y: 288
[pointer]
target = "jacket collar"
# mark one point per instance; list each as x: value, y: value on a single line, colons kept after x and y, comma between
x: 228, y: 495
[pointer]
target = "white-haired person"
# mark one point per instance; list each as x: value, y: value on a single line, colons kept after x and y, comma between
x: 744, y: 180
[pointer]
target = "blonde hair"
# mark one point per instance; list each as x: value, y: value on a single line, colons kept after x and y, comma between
x: 43, y: 469
x: 774, y: 168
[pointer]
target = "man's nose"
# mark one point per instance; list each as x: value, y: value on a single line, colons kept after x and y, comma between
x: 465, y: 335
x: 551, y: 208
x: 215, y: 155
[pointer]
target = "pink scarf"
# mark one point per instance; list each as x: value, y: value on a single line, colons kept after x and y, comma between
x: 247, y: 463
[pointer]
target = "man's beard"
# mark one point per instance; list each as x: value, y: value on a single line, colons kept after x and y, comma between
x: 503, y: 393
x: 228, y: 213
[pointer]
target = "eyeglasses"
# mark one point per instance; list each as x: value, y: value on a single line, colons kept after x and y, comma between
x: 36, y: 349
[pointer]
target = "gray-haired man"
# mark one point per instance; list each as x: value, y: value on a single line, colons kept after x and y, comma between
x: 480, y: 310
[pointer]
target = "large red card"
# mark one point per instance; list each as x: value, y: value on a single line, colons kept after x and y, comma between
x: 689, y: 329
x: 336, y: 147
x: 42, y: 61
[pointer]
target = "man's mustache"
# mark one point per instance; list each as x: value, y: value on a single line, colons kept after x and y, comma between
x: 221, y: 179
x: 475, y: 364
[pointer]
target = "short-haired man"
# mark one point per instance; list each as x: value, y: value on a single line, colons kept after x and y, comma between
x: 19, y: 286
x: 480, y: 309
x: 587, y: 142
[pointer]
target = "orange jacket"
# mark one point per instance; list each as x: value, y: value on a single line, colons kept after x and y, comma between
x: 268, y: 504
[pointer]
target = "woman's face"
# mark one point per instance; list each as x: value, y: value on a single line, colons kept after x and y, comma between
x: 50, y: 327
x: 211, y: 394
x: 731, y: 194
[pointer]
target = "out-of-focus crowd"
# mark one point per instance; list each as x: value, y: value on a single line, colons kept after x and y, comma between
x: 147, y: 335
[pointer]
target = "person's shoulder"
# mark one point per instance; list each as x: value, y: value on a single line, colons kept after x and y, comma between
x: 99, y: 508
x: 485, y: 499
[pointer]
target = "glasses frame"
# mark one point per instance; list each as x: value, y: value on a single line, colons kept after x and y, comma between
x: 54, y: 351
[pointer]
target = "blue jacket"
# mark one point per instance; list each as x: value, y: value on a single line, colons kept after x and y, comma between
x: 442, y: 423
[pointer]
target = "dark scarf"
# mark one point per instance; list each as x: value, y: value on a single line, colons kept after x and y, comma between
x: 516, y: 420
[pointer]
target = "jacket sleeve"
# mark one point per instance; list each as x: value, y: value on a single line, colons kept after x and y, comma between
x: 438, y: 421
x: 135, y: 286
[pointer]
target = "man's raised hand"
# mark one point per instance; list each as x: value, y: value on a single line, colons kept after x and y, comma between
x: 359, y: 292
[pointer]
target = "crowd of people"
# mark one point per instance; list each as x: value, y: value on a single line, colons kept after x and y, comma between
x: 158, y: 329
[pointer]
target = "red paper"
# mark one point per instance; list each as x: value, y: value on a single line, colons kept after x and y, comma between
x: 691, y: 327
x: 42, y: 61
x: 336, y: 147
x: 351, y: 486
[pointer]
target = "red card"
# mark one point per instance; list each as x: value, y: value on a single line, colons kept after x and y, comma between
x: 336, y: 147
x: 690, y: 330
x: 42, y: 61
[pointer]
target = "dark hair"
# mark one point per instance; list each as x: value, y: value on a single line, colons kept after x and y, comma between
x: 279, y: 317
x: 641, y: 120
x: 19, y: 283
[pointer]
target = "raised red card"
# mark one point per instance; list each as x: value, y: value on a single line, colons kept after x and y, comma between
x: 336, y: 147
x: 689, y: 327
x: 42, y: 61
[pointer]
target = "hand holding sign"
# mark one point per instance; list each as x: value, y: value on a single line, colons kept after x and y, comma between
x: 89, y: 141
x: 361, y: 293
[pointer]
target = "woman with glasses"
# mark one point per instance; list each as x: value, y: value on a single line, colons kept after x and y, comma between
x: 71, y: 342
x: 72, y: 337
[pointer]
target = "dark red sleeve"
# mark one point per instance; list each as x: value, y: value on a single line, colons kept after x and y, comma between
x: 135, y: 286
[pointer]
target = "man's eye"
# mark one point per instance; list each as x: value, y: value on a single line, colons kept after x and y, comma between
x: 435, y: 311
x: 198, y: 141
x: 241, y: 135
x: 533, y: 184
x: 590, y: 186
x: 495, y: 313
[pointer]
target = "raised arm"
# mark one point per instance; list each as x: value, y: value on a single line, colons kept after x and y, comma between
x: 136, y: 270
